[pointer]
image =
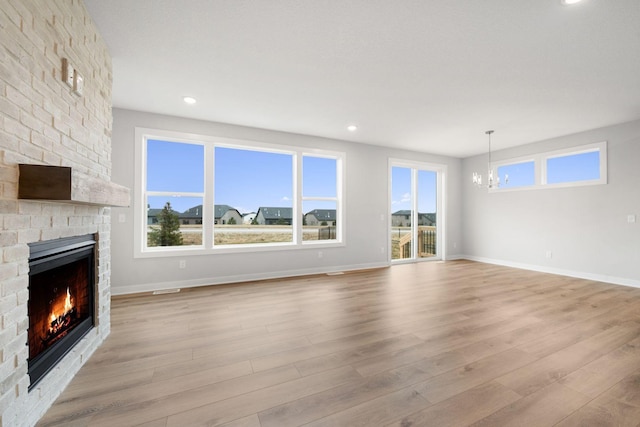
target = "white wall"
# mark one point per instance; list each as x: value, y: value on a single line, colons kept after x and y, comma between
x: 366, y: 200
x: 585, y: 228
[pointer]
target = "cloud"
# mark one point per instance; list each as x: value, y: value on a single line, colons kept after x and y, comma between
x: 406, y: 197
x: 285, y: 199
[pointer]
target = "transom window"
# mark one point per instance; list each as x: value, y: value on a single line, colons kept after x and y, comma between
x: 208, y: 194
x: 519, y: 174
x: 574, y: 166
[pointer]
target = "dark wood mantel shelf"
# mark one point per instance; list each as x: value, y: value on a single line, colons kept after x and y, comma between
x: 62, y: 184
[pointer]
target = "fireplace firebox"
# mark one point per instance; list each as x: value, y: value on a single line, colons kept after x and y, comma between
x: 61, y: 300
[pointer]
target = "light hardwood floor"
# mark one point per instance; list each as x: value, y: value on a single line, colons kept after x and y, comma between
x: 429, y: 344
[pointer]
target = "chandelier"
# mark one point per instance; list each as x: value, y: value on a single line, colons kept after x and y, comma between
x: 491, y: 181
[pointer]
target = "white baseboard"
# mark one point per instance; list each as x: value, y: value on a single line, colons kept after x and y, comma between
x: 159, y: 286
x: 559, y: 271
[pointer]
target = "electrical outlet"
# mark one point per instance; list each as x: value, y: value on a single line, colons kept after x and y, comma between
x: 549, y: 254
x: 381, y: 249
x: 320, y: 254
x: 183, y: 264
x: 78, y: 83
x: 122, y: 218
x: 631, y: 218
x: 67, y: 72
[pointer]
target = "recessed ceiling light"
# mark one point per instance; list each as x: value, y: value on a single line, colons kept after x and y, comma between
x: 352, y: 128
x: 189, y: 100
x: 567, y: 2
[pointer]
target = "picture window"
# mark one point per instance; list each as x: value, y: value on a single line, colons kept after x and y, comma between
x: 208, y: 194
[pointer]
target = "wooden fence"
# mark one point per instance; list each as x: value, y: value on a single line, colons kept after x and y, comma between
x: 426, y: 243
x: 327, y: 233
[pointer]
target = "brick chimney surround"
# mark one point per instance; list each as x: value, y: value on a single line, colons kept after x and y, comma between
x: 47, y: 122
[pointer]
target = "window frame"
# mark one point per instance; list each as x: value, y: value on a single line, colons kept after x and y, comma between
x: 600, y: 147
x: 515, y: 161
x: 338, y: 199
x: 142, y: 135
x: 540, y: 167
x: 147, y: 194
x: 266, y: 148
x: 441, y: 171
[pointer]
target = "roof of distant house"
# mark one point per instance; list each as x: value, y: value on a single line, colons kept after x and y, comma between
x: 196, y: 211
x: 220, y: 210
x: 275, y: 212
x: 323, y: 214
x: 154, y: 212
x: 408, y: 212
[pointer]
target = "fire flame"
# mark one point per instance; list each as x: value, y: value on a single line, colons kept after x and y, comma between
x: 67, y: 308
x: 67, y: 302
x: 60, y: 318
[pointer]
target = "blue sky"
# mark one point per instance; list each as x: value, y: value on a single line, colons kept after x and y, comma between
x: 247, y: 179
x: 244, y: 179
x: 518, y: 174
x: 574, y: 167
x: 401, y: 190
x: 578, y: 167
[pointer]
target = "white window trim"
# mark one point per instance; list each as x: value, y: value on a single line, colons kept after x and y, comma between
x: 600, y: 147
x: 515, y: 161
x: 540, y: 166
x: 441, y: 176
x: 338, y: 199
x: 210, y: 142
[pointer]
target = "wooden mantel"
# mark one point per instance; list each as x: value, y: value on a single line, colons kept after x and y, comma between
x: 62, y: 184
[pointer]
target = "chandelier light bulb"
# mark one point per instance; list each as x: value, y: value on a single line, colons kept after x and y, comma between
x: 476, y: 179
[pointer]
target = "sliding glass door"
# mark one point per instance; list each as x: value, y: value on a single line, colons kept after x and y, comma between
x: 415, y: 211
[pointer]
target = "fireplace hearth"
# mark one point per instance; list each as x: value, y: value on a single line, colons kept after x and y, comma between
x: 61, y: 300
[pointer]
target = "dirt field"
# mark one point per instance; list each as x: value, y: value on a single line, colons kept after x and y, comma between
x: 233, y: 238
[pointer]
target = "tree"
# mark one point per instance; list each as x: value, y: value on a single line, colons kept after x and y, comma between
x: 231, y: 221
x: 168, y: 232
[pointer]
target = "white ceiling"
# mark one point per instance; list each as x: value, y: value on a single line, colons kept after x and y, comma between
x: 418, y: 74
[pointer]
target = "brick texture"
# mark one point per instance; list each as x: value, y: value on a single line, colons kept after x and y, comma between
x: 43, y: 122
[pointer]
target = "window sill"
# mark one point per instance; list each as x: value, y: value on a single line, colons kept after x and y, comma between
x: 167, y: 252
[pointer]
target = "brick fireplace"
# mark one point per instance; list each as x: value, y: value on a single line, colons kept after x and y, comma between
x: 43, y: 122
x: 60, y: 305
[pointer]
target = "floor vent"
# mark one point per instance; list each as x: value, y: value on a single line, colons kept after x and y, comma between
x: 166, y: 291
